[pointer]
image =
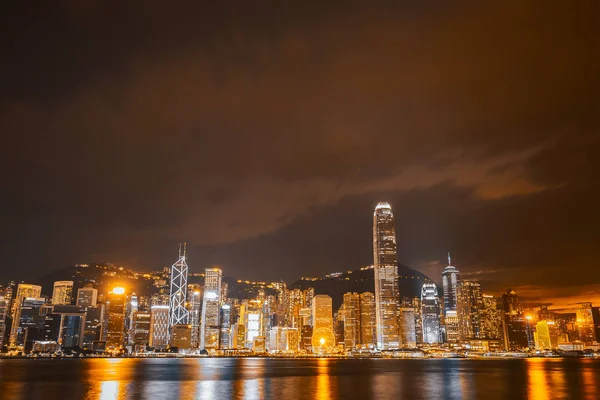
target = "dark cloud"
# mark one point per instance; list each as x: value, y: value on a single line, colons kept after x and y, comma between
x: 263, y: 134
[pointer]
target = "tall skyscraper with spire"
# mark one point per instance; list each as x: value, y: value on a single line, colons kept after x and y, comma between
x: 178, y: 314
x: 449, y: 283
x: 387, y: 298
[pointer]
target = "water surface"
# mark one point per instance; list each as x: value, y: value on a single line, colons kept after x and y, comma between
x: 323, y: 379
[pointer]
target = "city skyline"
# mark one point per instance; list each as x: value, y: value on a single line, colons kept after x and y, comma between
x: 264, y: 134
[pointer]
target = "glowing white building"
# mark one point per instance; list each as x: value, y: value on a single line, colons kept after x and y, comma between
x: 449, y: 283
x: 430, y: 313
x: 210, y: 325
x: 387, y: 299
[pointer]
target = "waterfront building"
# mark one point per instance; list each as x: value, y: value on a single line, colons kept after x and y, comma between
x: 449, y: 285
x: 159, y: 326
x: 181, y: 336
x: 71, y: 320
x: 468, y: 308
x: 430, y: 313
x: 323, y: 337
x: 351, y: 320
x: 94, y: 320
x: 585, y: 323
x: 491, y: 318
x: 387, y: 300
x: 546, y: 335
x: 141, y: 330
x: 24, y: 290
x: 115, y: 319
x: 30, y: 319
x: 225, y: 335
x: 4, y: 306
x: 62, y: 294
x: 514, y: 325
x: 408, y: 336
x: 195, y: 313
x: 211, y: 313
x: 452, y: 326
x: 368, y: 320
x: 87, y: 296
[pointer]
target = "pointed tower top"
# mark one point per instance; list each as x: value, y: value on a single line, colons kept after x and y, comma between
x: 182, y: 249
x: 449, y: 259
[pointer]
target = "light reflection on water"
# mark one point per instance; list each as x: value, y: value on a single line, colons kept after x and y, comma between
x: 322, y: 379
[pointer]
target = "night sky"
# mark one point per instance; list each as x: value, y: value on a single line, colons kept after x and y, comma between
x: 264, y: 133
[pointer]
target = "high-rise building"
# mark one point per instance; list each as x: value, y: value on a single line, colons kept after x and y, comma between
x: 323, y: 338
x: 30, y: 321
x: 468, y: 308
x: 416, y: 304
x: 368, y: 320
x: 585, y: 323
x: 210, y: 326
x: 351, y: 320
x: 24, y: 290
x: 71, y: 325
x: 87, y: 296
x: 546, y: 335
x: 225, y: 335
x: 159, y: 326
x: 514, y: 324
x: 407, y: 327
x: 115, y: 319
x: 3, y: 313
x: 387, y: 300
x: 62, y: 293
x: 141, y: 330
x: 430, y: 313
x: 449, y: 283
x: 596, y: 318
x: 491, y: 318
x: 94, y: 320
x: 195, y: 312
x: 452, y: 326
x: 181, y: 336
x: 178, y: 293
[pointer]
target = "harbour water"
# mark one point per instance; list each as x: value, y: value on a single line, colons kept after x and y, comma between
x: 322, y: 379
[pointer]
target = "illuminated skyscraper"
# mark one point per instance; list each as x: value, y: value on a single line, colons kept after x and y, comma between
x: 368, y: 320
x: 452, y: 326
x: 178, y: 294
x: 115, y: 318
x: 514, y: 324
x: 159, y: 326
x: 387, y: 300
x: 546, y: 335
x: 323, y: 337
x: 491, y: 318
x: 3, y: 312
x: 585, y: 323
x: 24, y: 290
x: 62, y: 293
x: 87, y: 296
x: 430, y: 313
x: 351, y: 320
x: 210, y: 326
x: 449, y: 282
x: 468, y: 308
x: 141, y: 330
x: 407, y: 327
x: 195, y: 312
x: 29, y: 321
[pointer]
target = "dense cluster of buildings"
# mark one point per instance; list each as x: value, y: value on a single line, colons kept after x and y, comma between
x: 202, y: 319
